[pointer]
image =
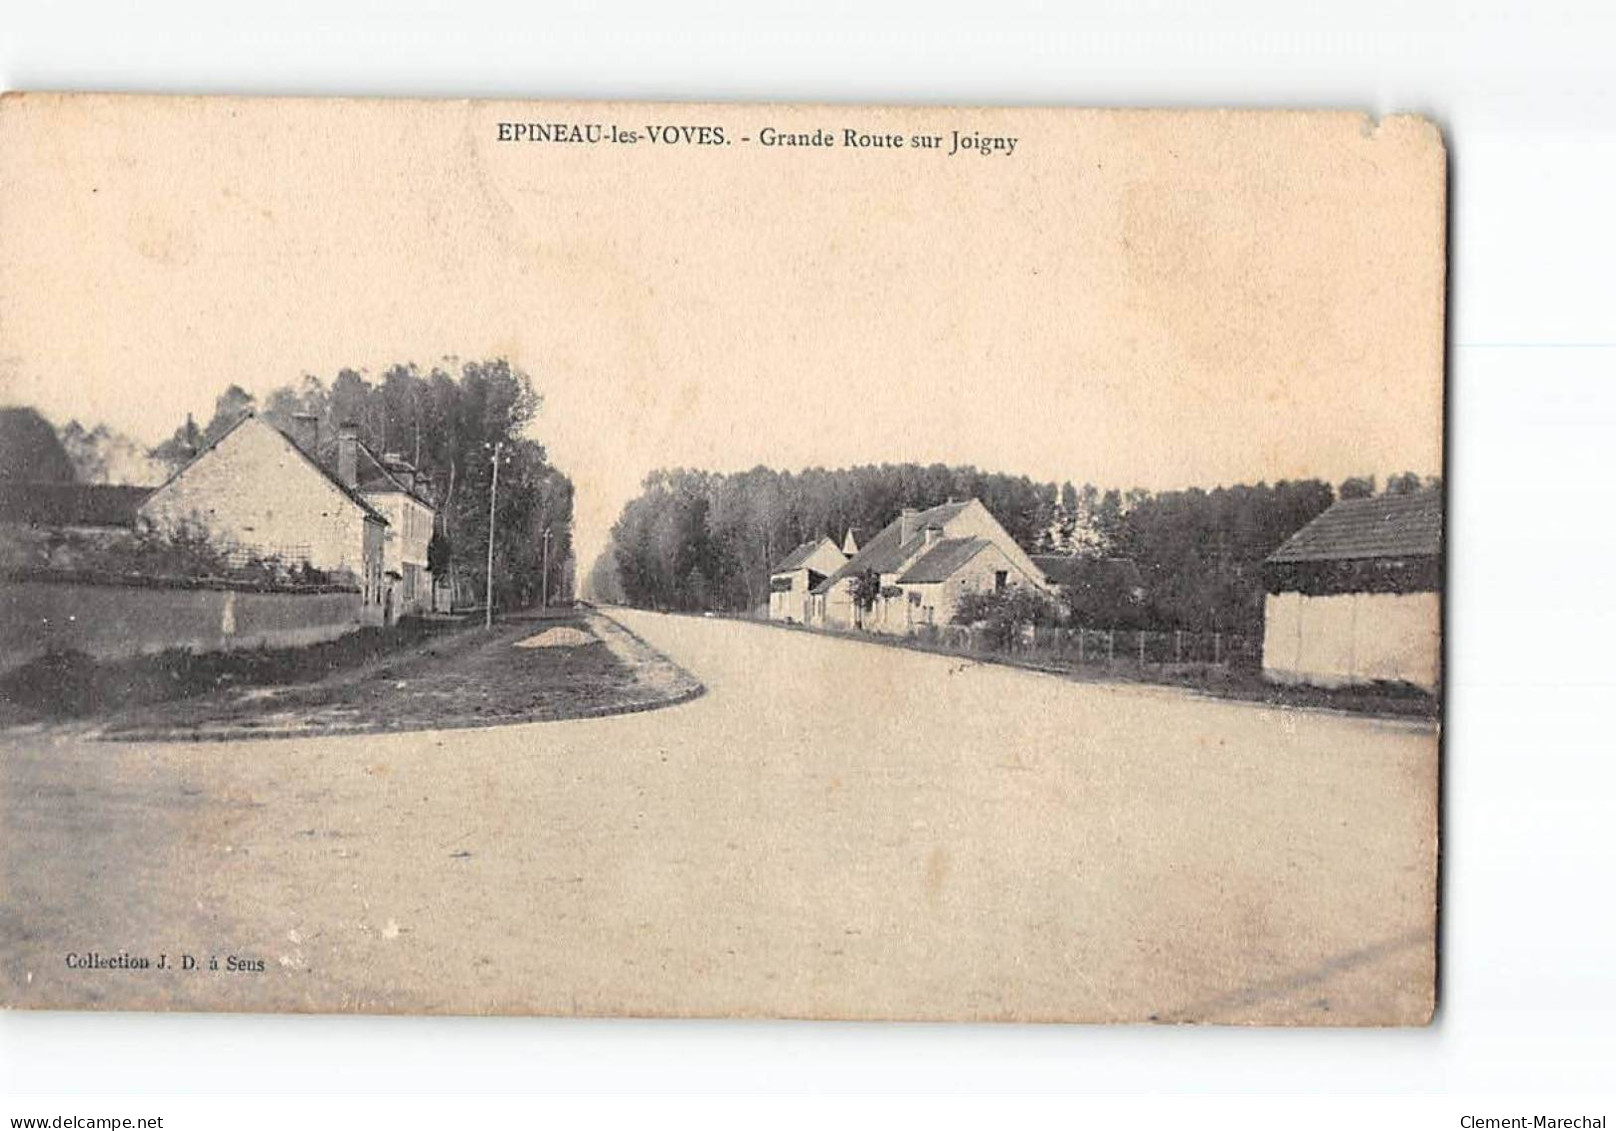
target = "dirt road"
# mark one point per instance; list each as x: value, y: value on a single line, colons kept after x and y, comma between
x: 834, y: 829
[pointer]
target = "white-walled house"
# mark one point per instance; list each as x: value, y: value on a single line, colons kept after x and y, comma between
x: 1354, y: 597
x: 253, y: 489
x: 400, y: 493
x: 796, y: 574
x: 926, y: 561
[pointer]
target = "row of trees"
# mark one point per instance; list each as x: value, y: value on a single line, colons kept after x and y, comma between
x: 447, y: 421
x: 695, y: 540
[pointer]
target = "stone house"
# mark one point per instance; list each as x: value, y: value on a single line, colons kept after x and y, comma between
x: 796, y: 574
x: 926, y: 562
x: 254, y: 490
x: 1354, y: 597
x: 402, y: 494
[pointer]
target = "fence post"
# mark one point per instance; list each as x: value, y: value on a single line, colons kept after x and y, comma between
x: 1080, y: 646
x: 1110, y: 646
x: 1141, y: 649
x: 1217, y: 647
x: 1178, y: 645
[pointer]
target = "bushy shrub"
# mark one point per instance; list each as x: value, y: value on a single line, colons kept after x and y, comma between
x: 184, y: 553
x: 1003, y: 614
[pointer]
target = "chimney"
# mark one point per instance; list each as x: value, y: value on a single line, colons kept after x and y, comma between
x: 906, y: 525
x: 933, y: 532
x: 306, y: 432
x: 348, y: 454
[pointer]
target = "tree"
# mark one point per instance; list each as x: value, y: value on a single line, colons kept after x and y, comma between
x: 438, y: 555
x: 228, y: 407
x: 30, y: 451
x: 1358, y: 487
x: 1407, y: 483
x: 180, y: 448
x: 865, y: 589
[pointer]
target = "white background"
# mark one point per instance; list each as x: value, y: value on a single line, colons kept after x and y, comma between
x: 1524, y: 97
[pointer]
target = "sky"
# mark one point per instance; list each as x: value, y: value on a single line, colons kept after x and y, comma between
x: 1153, y: 299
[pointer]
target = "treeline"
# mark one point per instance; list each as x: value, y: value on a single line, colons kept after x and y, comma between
x: 695, y: 540
x: 445, y: 422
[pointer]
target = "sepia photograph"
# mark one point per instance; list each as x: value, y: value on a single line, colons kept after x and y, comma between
x: 743, y: 561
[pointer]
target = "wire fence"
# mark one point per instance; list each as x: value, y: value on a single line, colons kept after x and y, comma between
x: 287, y: 554
x: 1081, y: 646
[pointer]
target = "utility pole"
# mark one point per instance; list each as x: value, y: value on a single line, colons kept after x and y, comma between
x: 544, y: 601
x: 493, y: 495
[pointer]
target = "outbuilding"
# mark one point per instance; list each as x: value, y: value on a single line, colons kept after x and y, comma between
x: 1355, y: 596
x: 798, y: 572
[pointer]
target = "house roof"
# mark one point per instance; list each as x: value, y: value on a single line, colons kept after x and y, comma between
x: 887, y: 551
x: 941, y: 561
x: 798, y: 557
x: 1387, y: 526
x: 376, y: 478
x: 71, y: 504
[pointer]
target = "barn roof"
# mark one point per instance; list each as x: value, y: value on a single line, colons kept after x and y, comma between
x: 71, y: 504
x: 1387, y: 526
x: 941, y: 561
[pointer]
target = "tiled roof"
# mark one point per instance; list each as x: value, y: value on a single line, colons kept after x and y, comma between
x: 797, y: 557
x: 376, y: 478
x: 886, y: 552
x: 71, y: 504
x: 1387, y: 526
x: 941, y: 561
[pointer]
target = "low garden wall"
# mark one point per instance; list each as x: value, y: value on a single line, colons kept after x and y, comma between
x: 115, y: 621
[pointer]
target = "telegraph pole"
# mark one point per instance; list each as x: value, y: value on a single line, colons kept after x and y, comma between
x: 544, y: 602
x: 493, y: 495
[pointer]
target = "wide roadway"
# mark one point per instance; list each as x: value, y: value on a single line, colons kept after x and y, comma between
x: 837, y: 828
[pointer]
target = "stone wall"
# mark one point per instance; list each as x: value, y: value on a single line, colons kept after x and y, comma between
x: 119, y: 621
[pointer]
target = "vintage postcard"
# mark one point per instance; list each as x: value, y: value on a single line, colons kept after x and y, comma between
x: 720, y: 560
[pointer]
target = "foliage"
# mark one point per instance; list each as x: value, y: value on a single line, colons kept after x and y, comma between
x: 180, y: 448
x: 865, y: 589
x: 183, y: 554
x: 1199, y: 554
x: 102, y: 455
x: 438, y: 554
x: 30, y: 450
x: 1003, y: 614
x: 1358, y: 487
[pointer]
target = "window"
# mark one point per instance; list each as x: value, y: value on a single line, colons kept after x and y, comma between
x: 1001, y: 578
